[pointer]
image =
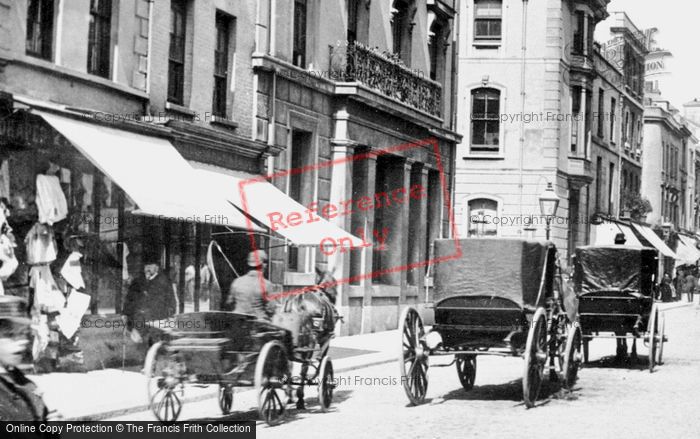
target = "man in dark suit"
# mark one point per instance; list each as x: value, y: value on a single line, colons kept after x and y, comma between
x: 150, y: 297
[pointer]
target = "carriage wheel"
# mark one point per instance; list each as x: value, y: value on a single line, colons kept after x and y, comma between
x: 225, y: 398
x: 162, y: 383
x: 271, y: 373
x: 166, y: 405
x: 572, y: 357
x: 466, y: 370
x: 153, y: 369
x: 326, y: 384
x: 413, y: 358
x: 535, y: 357
x: 652, y: 334
x: 662, y: 335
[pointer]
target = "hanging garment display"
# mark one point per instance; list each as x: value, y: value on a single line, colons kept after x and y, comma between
x: 72, y: 271
x: 50, y: 199
x: 40, y: 245
x: 8, y: 261
x: 125, y: 264
x: 47, y: 295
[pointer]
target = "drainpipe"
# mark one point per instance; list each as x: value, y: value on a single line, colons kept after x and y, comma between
x: 522, y: 98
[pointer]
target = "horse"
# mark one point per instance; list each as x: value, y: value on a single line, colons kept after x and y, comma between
x: 316, y: 303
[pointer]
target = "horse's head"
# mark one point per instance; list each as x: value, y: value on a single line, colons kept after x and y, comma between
x: 327, y: 284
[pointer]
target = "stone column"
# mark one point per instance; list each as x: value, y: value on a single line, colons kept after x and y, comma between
x: 400, y: 234
x: 419, y: 253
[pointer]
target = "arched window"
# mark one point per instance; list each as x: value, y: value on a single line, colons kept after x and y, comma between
x: 400, y: 29
x: 436, y: 48
x: 485, y: 120
x: 482, y: 217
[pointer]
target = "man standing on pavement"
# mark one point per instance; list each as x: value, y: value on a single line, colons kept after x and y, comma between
x: 678, y: 283
x: 150, y: 297
x: 246, y: 293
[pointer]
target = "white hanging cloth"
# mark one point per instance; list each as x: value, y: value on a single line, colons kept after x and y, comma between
x: 50, y: 199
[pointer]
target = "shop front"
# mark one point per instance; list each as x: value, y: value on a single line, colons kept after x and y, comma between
x: 92, y: 203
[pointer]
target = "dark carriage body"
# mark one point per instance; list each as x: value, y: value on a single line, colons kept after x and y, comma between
x: 219, y: 346
x: 485, y: 289
x: 615, y: 287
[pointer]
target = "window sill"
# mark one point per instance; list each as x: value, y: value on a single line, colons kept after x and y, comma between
x: 175, y: 108
x: 40, y: 63
x: 477, y: 156
x: 222, y: 122
x: 487, y: 44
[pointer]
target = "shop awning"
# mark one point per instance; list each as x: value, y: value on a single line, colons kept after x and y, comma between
x: 268, y: 205
x: 654, y: 240
x: 605, y: 234
x: 687, y: 251
x: 150, y: 171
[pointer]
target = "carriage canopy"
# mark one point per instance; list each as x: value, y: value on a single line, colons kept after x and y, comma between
x: 614, y: 268
x: 508, y: 268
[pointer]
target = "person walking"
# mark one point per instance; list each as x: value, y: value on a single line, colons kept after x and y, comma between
x: 691, y: 283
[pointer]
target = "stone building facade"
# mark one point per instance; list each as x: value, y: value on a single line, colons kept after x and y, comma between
x: 525, y: 109
x: 333, y: 86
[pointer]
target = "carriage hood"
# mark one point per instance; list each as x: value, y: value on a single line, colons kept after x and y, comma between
x: 616, y: 268
x: 508, y: 268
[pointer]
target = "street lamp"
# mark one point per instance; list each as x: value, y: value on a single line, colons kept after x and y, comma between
x: 549, y: 203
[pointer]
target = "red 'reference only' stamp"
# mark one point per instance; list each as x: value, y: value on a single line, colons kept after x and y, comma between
x: 316, y: 214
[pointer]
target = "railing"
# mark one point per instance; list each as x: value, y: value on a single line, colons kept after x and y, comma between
x: 378, y: 71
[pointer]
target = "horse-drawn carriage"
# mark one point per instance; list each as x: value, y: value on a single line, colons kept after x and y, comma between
x: 493, y: 297
x: 615, y: 288
x: 237, y: 350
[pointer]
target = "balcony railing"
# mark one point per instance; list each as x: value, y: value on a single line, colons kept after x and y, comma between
x: 354, y: 62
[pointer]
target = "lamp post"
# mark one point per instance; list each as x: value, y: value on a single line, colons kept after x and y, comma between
x: 549, y: 203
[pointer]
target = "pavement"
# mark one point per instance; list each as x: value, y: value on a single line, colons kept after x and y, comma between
x: 118, y: 393
x: 109, y: 393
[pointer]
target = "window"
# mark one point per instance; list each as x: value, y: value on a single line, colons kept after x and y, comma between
x: 99, y: 37
x: 579, y: 32
x: 300, y: 187
x: 436, y: 50
x: 485, y: 120
x: 480, y: 218
x: 611, y: 181
x: 221, y: 64
x: 399, y: 24
x: 613, y: 106
x: 487, y: 20
x: 625, y: 129
x: 353, y: 19
x: 40, y: 28
x: 299, y: 42
x: 176, y: 57
x: 575, y: 116
x: 601, y: 113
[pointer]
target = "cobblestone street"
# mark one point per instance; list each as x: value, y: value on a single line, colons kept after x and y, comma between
x: 628, y: 400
